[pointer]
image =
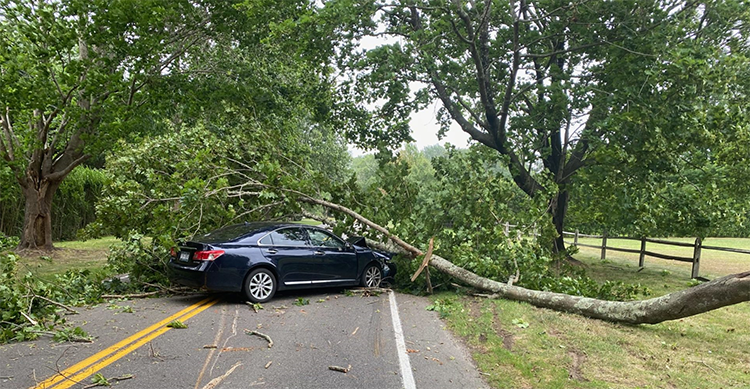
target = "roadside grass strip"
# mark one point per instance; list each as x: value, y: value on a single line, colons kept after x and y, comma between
x: 98, y: 361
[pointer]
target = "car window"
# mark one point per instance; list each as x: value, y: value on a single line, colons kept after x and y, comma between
x: 323, y: 239
x: 286, y: 237
x: 227, y: 233
x: 266, y: 240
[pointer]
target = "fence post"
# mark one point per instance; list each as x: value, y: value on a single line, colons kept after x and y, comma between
x: 575, y: 240
x: 697, y: 257
x: 604, y: 245
x: 507, y: 229
x: 642, y: 258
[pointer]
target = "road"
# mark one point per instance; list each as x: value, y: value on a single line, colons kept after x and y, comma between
x: 384, y: 341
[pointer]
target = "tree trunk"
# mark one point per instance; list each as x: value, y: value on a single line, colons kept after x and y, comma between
x: 725, y: 291
x: 37, y: 221
x: 558, y: 209
x: 729, y: 290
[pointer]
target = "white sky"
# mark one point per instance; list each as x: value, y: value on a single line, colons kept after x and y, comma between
x: 424, y: 129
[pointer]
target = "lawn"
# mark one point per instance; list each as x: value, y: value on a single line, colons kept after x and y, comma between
x: 80, y: 255
x: 713, y: 263
x: 516, y: 345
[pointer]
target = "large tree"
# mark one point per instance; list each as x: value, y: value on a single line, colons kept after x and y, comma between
x: 72, y: 72
x: 550, y: 84
x: 78, y: 75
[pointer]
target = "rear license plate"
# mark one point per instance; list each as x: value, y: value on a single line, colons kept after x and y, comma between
x: 184, y: 256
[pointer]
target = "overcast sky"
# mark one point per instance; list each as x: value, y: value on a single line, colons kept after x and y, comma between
x: 424, y: 129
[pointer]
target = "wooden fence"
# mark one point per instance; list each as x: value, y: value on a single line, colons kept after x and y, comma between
x: 698, y: 247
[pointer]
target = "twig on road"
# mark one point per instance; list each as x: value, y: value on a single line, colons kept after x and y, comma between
x: 341, y: 369
x: 264, y: 336
x: 109, y: 381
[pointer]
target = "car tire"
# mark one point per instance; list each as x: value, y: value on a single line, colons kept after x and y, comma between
x: 260, y: 285
x: 372, y: 276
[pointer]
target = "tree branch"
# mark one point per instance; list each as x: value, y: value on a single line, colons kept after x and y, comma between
x: 725, y: 291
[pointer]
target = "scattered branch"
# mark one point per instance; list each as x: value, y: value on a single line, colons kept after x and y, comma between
x: 216, y: 381
x: 131, y: 295
x: 108, y: 381
x: 341, y: 369
x: 264, y: 336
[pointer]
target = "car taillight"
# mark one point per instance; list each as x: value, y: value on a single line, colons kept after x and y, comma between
x: 208, y: 255
x: 172, y: 253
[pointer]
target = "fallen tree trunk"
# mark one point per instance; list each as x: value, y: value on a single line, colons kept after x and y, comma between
x: 722, y: 292
x: 729, y: 290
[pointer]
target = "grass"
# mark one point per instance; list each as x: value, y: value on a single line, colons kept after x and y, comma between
x: 558, y: 350
x: 713, y: 263
x: 80, y: 255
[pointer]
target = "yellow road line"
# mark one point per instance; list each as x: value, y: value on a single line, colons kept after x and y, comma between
x: 85, y: 373
x: 111, y: 349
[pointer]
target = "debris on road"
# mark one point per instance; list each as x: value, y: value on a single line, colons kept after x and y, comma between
x: 355, y: 331
x: 177, y: 324
x: 341, y: 369
x: 216, y: 381
x: 264, y: 336
x: 209, y: 346
x: 230, y: 349
x: 268, y: 364
x: 255, y: 306
x: 99, y: 380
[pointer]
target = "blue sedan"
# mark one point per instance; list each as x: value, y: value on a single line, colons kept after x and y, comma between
x: 259, y: 259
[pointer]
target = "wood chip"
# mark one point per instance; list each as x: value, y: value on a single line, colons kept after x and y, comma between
x: 411, y: 350
x: 268, y: 364
x: 341, y: 369
x: 355, y: 331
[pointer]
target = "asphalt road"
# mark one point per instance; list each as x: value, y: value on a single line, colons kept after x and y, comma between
x: 385, y: 341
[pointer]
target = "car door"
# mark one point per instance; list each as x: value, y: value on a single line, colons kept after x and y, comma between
x: 338, y: 261
x: 290, y: 251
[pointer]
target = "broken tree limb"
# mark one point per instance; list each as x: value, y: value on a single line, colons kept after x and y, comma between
x: 721, y: 292
x: 363, y: 220
x: 426, y: 260
x: 729, y: 290
x: 264, y: 336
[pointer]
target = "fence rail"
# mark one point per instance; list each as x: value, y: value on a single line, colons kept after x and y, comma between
x: 695, y: 259
x: 697, y: 246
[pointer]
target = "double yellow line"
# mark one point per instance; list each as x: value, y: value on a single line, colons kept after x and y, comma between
x: 100, y: 360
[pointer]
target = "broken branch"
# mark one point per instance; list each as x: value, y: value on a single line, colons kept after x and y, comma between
x: 341, y: 369
x: 264, y: 336
x: 721, y: 292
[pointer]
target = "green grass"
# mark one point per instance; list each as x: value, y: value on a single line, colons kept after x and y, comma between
x: 713, y: 263
x: 79, y: 255
x: 559, y: 350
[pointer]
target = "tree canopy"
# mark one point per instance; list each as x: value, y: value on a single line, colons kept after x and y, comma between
x: 555, y: 87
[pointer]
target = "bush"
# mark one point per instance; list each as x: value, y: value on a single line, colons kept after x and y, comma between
x: 26, y: 310
x: 145, y: 263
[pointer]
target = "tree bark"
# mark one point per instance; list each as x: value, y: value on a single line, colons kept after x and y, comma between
x: 558, y: 209
x: 37, y: 221
x: 722, y: 292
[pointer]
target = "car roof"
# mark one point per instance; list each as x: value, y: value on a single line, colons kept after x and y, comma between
x: 236, y: 231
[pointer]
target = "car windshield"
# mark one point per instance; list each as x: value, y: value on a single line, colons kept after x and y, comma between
x: 229, y: 233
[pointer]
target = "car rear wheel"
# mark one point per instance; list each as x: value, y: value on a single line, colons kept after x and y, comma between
x: 372, y: 276
x: 260, y: 285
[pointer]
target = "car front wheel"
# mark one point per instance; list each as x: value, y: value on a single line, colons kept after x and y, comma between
x: 372, y: 276
x: 260, y: 285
